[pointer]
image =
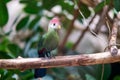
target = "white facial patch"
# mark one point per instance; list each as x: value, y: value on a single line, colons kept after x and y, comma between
x: 53, y: 25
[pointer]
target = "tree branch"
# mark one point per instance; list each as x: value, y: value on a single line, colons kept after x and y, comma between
x: 69, y: 29
x: 59, y: 61
x: 82, y: 34
x: 75, y: 14
x: 112, y: 43
x: 102, y: 19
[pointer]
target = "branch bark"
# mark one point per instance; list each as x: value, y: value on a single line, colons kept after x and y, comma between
x: 59, y: 61
x: 102, y: 19
x: 112, y: 43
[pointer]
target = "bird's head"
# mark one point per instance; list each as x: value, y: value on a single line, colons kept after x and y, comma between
x: 54, y: 24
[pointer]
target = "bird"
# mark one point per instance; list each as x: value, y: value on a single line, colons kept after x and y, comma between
x: 48, y: 42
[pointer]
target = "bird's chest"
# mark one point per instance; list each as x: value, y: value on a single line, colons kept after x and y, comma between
x: 51, y: 41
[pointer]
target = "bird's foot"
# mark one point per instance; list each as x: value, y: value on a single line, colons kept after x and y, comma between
x: 49, y: 55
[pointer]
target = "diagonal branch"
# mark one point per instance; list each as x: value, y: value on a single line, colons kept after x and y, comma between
x: 83, y: 33
x: 112, y: 43
x: 70, y: 29
x: 59, y: 61
x: 102, y: 19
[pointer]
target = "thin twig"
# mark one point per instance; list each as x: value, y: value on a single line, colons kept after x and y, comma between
x: 76, y: 13
x: 108, y: 26
x: 83, y: 33
x: 112, y: 43
x: 102, y: 19
x: 59, y: 61
x: 102, y: 74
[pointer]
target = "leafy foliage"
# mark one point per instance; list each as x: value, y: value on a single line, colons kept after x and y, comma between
x: 23, y: 22
x: 3, y: 13
x: 28, y: 30
x: 14, y: 49
x: 101, y: 5
x: 34, y: 22
x: 117, y: 6
x: 32, y: 8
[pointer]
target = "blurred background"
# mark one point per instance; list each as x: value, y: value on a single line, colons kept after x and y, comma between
x: 86, y: 26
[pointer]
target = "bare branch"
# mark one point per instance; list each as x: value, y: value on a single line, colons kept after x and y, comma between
x: 59, y: 61
x: 102, y: 19
x: 71, y: 27
x: 83, y: 33
x: 112, y: 43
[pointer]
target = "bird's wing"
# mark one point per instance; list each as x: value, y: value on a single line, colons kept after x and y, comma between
x: 41, y: 49
x: 40, y: 43
x: 51, y: 40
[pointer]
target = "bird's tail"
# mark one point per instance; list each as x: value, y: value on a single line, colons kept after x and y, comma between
x: 40, y: 72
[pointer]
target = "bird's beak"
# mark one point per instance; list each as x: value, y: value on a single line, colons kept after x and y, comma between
x: 59, y: 27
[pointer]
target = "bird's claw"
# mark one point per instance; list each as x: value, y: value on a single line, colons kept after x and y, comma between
x: 49, y: 55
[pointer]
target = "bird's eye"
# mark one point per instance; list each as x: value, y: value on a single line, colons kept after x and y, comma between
x: 54, y: 24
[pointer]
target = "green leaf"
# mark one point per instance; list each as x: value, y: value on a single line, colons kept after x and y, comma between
x: 95, y: 71
x: 4, y: 55
x: 117, y: 77
x: 32, y: 8
x: 3, y: 44
x: 8, y: 33
x: 2, y: 74
x: 69, y: 45
x: 62, y: 73
x: 86, y: 70
x: 14, y: 49
x: 48, y: 4
x: 107, y: 71
x: 89, y: 77
x: 101, y: 5
x: 8, y: 74
x: 40, y: 29
x: 22, y: 23
x: 66, y: 6
x: 3, y: 13
x: 117, y: 4
x: 6, y: 1
x: 34, y: 22
x: 27, y: 1
x: 85, y: 11
x: 26, y: 75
